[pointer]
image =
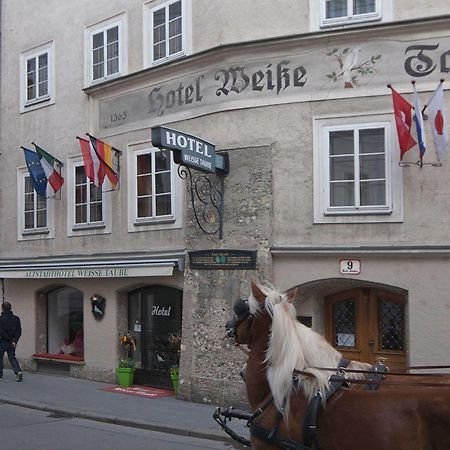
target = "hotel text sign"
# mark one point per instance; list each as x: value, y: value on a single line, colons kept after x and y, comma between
x: 302, y: 76
x: 78, y: 273
x: 188, y: 150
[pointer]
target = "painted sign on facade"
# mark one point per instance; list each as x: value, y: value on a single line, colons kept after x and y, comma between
x: 352, y: 69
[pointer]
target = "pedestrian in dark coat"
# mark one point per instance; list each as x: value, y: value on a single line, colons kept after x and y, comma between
x: 10, y: 332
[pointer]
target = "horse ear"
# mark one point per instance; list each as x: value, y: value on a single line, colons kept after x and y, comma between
x: 291, y: 294
x: 257, y: 292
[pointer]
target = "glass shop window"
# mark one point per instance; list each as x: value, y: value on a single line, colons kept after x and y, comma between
x: 65, y: 322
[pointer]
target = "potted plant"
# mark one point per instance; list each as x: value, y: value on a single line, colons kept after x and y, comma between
x: 174, y: 376
x: 175, y: 348
x: 127, y: 366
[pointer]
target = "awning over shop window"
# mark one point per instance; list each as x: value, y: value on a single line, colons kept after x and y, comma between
x: 92, y: 267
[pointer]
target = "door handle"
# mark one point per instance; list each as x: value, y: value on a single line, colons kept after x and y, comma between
x: 371, y: 342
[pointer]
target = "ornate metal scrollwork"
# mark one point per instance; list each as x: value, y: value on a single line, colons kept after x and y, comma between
x: 207, y: 193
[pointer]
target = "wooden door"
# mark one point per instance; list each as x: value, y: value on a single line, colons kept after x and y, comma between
x: 365, y: 325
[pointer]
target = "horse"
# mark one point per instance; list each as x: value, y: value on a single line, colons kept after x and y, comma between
x: 399, y: 415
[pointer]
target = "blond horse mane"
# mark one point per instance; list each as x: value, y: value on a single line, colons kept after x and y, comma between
x: 292, y: 345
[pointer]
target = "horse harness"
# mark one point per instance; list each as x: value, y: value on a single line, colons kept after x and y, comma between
x: 336, y: 382
x: 375, y: 376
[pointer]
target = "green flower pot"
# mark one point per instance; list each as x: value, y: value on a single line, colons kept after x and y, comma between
x: 125, y: 376
x: 174, y: 376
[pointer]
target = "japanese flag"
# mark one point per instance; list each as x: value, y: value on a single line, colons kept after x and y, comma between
x: 438, y: 121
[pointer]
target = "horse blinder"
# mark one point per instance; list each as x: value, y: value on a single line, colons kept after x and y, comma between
x: 242, y: 312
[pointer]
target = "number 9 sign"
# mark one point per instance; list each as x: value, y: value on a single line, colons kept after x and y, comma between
x: 350, y: 266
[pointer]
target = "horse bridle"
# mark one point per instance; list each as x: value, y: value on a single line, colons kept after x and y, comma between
x: 242, y: 312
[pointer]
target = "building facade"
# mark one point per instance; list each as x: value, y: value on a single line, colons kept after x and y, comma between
x: 293, y: 94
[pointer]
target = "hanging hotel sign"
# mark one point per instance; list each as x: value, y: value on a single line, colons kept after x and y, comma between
x: 223, y: 259
x: 188, y: 150
x: 344, y: 69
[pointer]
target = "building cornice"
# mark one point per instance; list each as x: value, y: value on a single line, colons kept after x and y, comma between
x: 363, y: 250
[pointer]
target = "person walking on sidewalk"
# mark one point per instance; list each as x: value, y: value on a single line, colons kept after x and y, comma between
x: 10, y: 332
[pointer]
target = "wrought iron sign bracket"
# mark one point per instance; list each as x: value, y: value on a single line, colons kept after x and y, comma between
x: 207, y: 195
x: 206, y: 189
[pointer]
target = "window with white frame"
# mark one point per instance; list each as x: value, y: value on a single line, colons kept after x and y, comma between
x: 154, y: 189
x: 165, y: 31
x: 354, y: 168
x: 35, y: 208
x: 105, y: 50
x: 37, y: 77
x: 337, y: 13
x: 34, y: 212
x: 88, y: 200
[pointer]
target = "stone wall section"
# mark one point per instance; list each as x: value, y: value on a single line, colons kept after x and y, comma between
x: 209, y: 363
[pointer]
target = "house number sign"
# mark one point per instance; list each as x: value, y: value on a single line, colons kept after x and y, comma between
x: 350, y: 266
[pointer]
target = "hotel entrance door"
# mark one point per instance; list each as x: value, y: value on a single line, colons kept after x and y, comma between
x: 154, y: 317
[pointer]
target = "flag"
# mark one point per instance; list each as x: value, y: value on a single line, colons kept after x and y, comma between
x: 50, y: 166
x: 438, y: 122
x: 91, y: 161
x: 418, y: 121
x: 95, y: 166
x: 105, y: 154
x: 402, y: 112
x: 37, y: 174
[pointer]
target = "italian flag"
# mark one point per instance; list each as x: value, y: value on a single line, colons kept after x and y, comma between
x: 48, y: 164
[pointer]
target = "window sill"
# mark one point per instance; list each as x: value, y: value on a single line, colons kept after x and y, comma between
x: 143, y: 222
x: 37, y: 101
x: 35, y: 232
x: 358, y: 213
x: 72, y: 359
x: 352, y: 20
x: 105, y: 79
x: 168, y: 59
x: 83, y: 227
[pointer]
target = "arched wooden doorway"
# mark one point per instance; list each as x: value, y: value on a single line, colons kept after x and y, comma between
x: 366, y: 324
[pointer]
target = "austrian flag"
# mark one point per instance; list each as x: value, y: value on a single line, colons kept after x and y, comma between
x: 95, y: 166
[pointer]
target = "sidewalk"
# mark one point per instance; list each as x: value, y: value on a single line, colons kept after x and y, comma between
x: 85, y: 399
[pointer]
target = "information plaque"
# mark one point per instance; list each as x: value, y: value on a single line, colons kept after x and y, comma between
x: 223, y: 259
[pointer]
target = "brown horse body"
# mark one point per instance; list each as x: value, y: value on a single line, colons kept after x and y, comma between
x: 394, y: 417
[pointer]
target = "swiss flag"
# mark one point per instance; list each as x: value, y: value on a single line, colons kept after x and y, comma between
x: 403, y: 120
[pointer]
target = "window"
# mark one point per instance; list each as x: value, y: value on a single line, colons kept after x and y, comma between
x: 34, y: 212
x: 357, y: 168
x: 37, y: 85
x: 65, y: 322
x: 353, y: 172
x: 88, y: 200
x: 105, y: 50
x: 345, y: 11
x: 165, y: 29
x: 35, y: 208
x: 153, y: 185
x: 339, y: 13
x: 155, y: 194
